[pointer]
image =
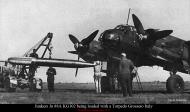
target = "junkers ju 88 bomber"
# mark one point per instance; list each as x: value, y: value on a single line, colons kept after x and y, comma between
x: 145, y: 47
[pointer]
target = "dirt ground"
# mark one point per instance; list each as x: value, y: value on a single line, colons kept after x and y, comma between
x: 84, y: 93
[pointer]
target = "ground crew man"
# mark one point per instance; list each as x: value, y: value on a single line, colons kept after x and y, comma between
x: 32, y: 70
x: 34, y: 54
x: 50, y: 78
x: 97, y: 76
x: 124, y: 75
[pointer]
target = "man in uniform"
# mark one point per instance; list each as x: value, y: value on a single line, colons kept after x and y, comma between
x: 97, y: 76
x: 50, y: 78
x: 34, y: 54
x: 124, y: 76
x: 32, y: 70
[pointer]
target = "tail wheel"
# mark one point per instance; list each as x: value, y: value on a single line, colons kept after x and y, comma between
x: 175, y: 84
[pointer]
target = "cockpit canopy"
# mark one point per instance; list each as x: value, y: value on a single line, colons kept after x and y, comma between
x: 125, y: 28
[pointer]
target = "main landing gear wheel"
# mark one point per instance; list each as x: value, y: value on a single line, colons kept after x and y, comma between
x: 175, y: 84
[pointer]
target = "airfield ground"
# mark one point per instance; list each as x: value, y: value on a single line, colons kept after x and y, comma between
x: 84, y: 93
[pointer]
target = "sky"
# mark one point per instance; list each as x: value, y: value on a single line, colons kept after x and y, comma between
x: 24, y: 22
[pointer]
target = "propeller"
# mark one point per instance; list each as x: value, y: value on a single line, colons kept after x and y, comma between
x: 151, y: 34
x: 83, y: 46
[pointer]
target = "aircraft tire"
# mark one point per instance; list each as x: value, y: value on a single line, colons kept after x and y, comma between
x: 105, y: 84
x: 175, y: 84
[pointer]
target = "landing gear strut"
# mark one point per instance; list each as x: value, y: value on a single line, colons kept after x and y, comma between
x: 175, y: 83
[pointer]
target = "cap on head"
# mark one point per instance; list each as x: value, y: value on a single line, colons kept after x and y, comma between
x: 34, y: 50
x: 97, y: 62
x: 123, y: 54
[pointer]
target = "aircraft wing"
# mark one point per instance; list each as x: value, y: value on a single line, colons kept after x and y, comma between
x: 49, y: 62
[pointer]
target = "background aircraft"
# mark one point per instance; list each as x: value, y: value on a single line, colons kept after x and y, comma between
x: 144, y: 47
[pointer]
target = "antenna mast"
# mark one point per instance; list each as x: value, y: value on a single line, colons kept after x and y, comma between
x: 128, y: 15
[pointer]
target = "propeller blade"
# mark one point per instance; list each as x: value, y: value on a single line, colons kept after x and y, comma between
x: 73, y: 39
x: 138, y: 25
x: 73, y: 52
x: 161, y: 34
x: 154, y: 36
x: 87, y: 40
x: 77, y: 68
x: 76, y: 72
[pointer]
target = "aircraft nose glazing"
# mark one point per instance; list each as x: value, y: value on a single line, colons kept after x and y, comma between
x: 110, y: 39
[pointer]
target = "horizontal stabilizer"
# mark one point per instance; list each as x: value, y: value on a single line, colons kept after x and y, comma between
x: 49, y: 62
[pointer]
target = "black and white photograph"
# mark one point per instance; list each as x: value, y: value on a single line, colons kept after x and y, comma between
x: 94, y: 52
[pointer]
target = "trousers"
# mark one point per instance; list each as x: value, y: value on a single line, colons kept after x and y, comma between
x: 125, y: 81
